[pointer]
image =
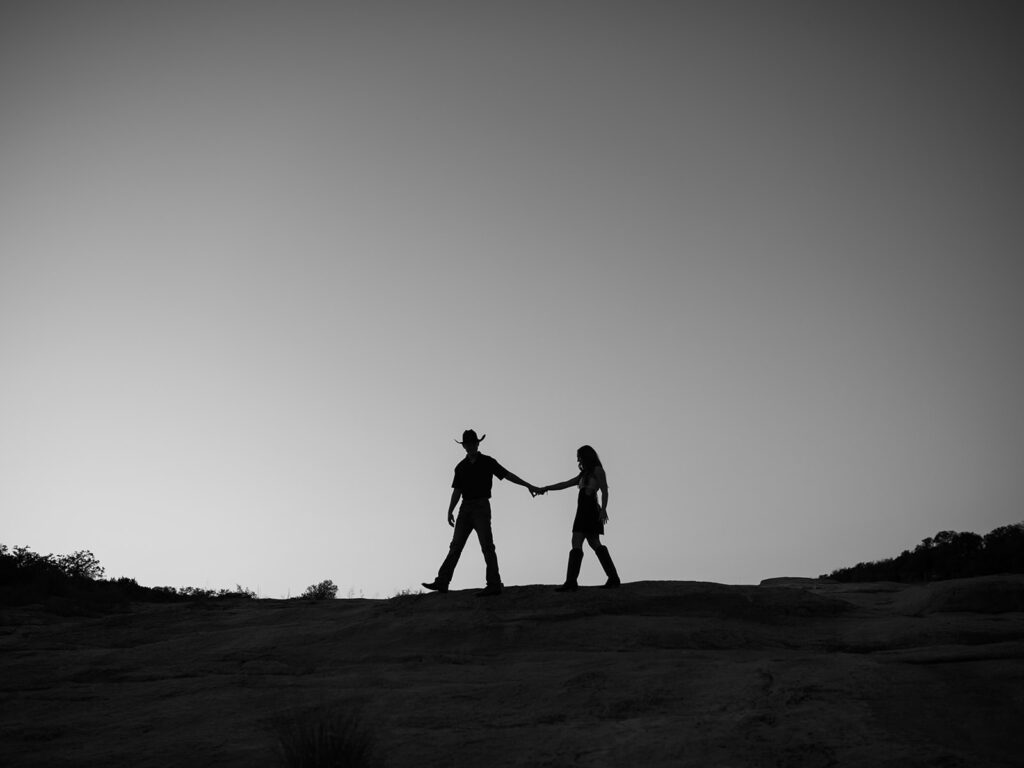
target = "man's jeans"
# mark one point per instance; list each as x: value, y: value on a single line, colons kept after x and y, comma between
x: 474, y: 515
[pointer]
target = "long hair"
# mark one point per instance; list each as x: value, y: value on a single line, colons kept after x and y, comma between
x: 588, y: 459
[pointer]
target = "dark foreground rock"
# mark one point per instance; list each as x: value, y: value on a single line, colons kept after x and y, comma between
x: 794, y: 673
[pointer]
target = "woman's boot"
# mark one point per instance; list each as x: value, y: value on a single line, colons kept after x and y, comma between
x: 609, y: 567
x: 572, y: 572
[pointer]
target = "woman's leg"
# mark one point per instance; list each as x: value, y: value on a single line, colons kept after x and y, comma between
x: 572, y: 570
x: 605, y: 559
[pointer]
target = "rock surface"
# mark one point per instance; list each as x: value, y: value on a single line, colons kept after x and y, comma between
x: 796, y: 673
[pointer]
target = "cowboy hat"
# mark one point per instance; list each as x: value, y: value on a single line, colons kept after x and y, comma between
x: 469, y: 436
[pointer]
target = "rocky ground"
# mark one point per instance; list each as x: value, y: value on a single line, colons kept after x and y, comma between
x: 793, y: 673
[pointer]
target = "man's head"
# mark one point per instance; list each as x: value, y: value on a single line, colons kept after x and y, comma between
x: 470, y: 441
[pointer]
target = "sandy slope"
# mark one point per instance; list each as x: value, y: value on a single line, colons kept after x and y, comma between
x: 792, y: 673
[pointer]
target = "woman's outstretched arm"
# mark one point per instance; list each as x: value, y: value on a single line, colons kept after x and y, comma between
x: 561, y: 486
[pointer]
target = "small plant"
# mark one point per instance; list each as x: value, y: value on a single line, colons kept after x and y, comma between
x: 407, y: 593
x: 199, y: 593
x: 325, y: 590
x: 329, y: 738
x: 195, y: 593
x: 238, y: 591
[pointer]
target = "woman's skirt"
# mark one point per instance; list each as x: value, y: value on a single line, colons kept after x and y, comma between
x: 588, y: 515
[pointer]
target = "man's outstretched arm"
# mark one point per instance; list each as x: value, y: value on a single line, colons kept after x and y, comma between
x: 519, y: 481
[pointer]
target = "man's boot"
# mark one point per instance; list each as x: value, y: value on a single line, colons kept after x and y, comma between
x: 609, y: 567
x: 572, y: 572
x: 437, y: 585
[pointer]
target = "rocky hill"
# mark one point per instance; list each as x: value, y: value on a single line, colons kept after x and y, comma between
x: 797, y: 673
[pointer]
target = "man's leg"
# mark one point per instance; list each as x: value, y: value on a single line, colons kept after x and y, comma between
x: 482, y: 523
x: 463, y: 527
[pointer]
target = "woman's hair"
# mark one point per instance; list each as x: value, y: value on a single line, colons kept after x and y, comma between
x: 588, y: 458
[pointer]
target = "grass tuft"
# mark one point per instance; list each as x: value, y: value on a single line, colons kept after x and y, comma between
x: 329, y: 738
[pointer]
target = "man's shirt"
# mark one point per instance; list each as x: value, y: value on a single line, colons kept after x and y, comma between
x: 473, y: 478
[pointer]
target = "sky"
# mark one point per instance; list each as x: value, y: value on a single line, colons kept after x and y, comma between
x: 261, y: 263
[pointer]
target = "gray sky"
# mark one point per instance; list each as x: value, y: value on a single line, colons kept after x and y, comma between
x: 260, y: 264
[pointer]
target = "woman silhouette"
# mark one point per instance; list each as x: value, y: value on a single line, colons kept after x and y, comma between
x: 590, y: 518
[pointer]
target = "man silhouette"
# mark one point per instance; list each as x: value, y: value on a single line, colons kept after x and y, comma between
x: 472, y: 483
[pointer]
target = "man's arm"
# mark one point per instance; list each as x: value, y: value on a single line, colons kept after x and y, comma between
x: 534, y: 490
x: 517, y: 480
x: 456, y: 495
x: 503, y: 474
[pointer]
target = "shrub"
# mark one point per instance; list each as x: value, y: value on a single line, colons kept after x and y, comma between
x: 80, y: 565
x: 27, y: 577
x: 947, y: 555
x: 325, y: 590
